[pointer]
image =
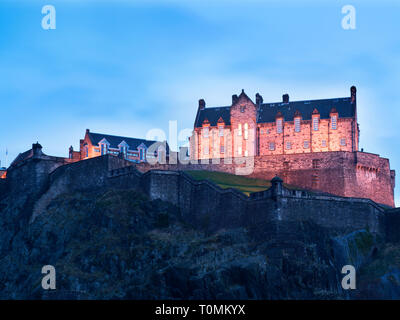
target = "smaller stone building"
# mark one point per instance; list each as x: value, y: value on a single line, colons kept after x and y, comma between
x: 131, y: 149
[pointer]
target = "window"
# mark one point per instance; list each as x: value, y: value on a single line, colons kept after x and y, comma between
x: 103, y: 149
x: 221, y: 131
x: 288, y: 145
x: 206, y: 150
x: 343, y: 142
x: 306, y: 144
x: 242, y: 108
x: 297, y: 124
x: 279, y: 126
x: 334, y: 122
x: 205, y: 132
x: 272, y: 146
x: 316, y: 164
x: 286, y: 165
x: 246, y: 131
x: 261, y: 131
x: 315, y: 123
x: 239, y: 129
x: 314, y: 180
x: 324, y: 143
x: 86, y: 152
x: 239, y: 151
x: 246, y: 153
x: 222, y: 149
x: 141, y: 154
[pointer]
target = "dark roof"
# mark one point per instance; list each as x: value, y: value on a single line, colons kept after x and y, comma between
x: 213, y: 115
x: 21, y: 157
x: 267, y: 111
x: 114, y: 141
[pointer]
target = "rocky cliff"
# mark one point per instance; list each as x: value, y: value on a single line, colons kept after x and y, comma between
x: 119, y: 244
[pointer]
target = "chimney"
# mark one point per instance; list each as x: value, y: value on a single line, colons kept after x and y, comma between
x: 202, y: 104
x: 353, y: 91
x: 36, y: 150
x: 234, y: 98
x: 259, y: 99
x: 87, y: 130
x: 285, y: 98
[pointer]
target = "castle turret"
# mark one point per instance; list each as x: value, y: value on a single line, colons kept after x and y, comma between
x: 36, y: 150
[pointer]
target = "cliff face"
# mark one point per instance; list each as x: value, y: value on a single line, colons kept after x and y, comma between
x: 120, y: 244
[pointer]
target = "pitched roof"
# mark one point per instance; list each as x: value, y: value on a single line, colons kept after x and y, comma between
x: 21, y: 157
x: 114, y: 141
x: 213, y: 115
x: 267, y: 111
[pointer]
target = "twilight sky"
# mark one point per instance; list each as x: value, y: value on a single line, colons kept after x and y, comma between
x: 126, y: 67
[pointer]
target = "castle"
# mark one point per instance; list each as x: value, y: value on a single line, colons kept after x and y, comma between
x: 311, y: 144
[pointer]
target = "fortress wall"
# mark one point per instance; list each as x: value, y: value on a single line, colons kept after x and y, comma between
x: 3, y: 187
x: 340, y: 214
x: 203, y: 203
x: 369, y: 176
x: 392, y: 223
x: 348, y: 174
x: 31, y: 177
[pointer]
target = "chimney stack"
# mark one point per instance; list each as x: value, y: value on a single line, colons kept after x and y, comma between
x: 259, y: 99
x: 234, y: 98
x: 285, y: 98
x: 36, y: 149
x: 353, y: 91
x: 202, y: 104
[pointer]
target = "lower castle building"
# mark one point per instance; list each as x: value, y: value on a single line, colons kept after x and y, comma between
x: 132, y: 149
x: 312, y: 144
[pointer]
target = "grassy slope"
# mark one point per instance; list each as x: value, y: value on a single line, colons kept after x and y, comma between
x: 227, y: 180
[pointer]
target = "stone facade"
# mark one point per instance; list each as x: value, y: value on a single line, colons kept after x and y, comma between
x: 131, y: 149
x: 311, y: 144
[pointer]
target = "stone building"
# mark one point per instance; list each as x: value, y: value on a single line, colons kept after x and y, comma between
x: 132, y: 149
x: 312, y: 144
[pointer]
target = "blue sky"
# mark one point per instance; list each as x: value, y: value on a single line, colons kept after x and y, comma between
x: 125, y: 67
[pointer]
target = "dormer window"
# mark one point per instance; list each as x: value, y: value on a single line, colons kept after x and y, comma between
x: 297, y: 124
x: 279, y: 126
x: 315, y: 123
x: 141, y: 154
x: 103, y: 149
x: 334, y: 122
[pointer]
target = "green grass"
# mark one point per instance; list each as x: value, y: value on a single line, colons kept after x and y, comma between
x: 227, y: 180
